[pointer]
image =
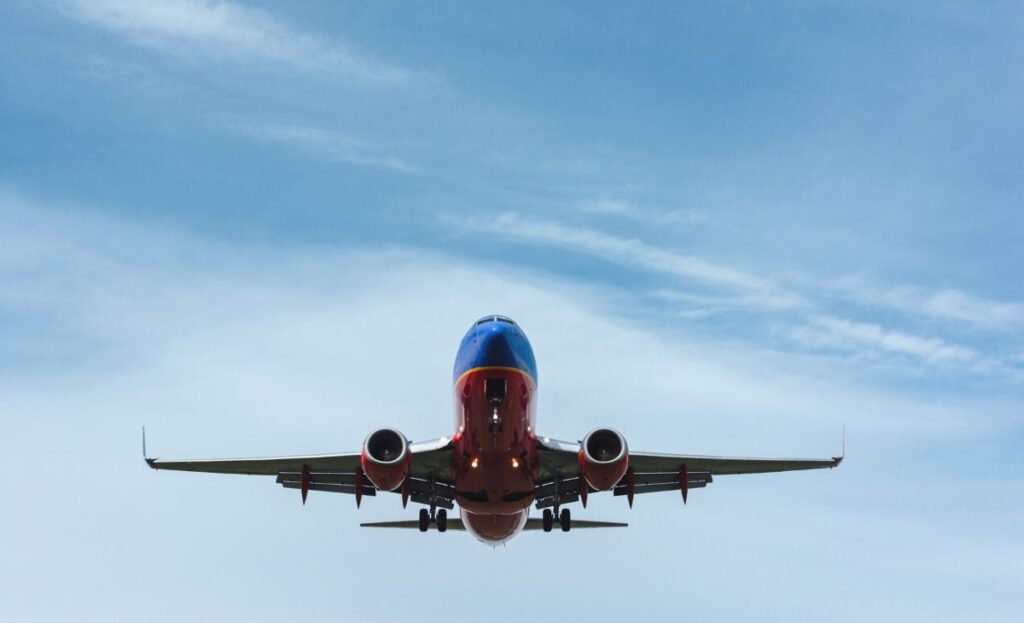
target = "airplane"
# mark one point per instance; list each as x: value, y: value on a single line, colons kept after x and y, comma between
x: 495, y: 466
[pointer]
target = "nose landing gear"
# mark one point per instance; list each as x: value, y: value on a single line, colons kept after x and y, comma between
x: 495, y: 389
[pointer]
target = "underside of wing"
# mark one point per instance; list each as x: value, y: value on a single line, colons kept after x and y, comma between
x: 428, y: 481
x: 562, y: 482
x: 269, y: 466
x: 644, y: 462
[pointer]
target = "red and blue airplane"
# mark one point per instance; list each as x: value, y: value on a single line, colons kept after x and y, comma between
x: 494, y: 466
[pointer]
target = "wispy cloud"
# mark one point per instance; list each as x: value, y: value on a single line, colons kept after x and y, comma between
x: 326, y: 144
x: 693, y: 305
x: 727, y: 289
x: 226, y: 31
x: 635, y: 253
x: 607, y: 206
x: 944, y: 304
x: 846, y: 335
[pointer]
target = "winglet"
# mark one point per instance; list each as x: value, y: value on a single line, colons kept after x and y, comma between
x: 836, y: 460
x: 145, y: 456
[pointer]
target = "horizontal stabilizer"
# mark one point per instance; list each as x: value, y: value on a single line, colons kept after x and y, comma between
x: 411, y: 524
x: 577, y: 524
x: 456, y: 524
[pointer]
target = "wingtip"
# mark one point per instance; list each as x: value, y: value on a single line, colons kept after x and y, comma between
x: 145, y: 456
x: 836, y: 460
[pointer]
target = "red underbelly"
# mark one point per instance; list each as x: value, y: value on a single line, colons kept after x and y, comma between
x: 496, y: 455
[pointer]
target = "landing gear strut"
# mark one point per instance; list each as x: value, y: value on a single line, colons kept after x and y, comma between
x: 549, y: 515
x: 494, y: 389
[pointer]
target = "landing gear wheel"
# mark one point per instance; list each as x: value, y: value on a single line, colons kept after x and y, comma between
x: 547, y: 520
x: 424, y: 520
x: 564, y: 520
x: 442, y: 520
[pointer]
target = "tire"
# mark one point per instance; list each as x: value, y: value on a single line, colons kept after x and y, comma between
x: 424, y: 520
x: 564, y: 520
x: 547, y: 520
x: 442, y: 520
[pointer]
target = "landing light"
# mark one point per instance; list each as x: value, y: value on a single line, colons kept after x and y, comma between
x: 474, y: 463
x: 515, y: 463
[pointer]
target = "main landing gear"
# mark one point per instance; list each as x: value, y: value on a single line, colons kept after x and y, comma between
x: 548, y: 519
x: 549, y: 516
x: 437, y: 517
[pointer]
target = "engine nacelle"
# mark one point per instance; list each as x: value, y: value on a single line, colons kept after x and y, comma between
x: 604, y: 458
x: 385, y: 458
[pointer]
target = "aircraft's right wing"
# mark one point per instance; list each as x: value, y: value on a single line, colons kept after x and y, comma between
x: 429, y: 482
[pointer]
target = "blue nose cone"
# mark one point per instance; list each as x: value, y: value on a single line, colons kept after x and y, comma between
x: 495, y: 341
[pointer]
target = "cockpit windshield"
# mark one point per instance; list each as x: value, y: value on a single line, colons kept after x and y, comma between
x: 504, y: 319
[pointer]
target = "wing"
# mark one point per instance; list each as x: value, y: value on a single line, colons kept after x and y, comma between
x: 560, y: 480
x: 429, y: 482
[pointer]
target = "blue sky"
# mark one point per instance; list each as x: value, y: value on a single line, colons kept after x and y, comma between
x: 262, y: 229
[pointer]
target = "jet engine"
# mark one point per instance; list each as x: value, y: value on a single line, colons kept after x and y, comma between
x: 604, y: 458
x: 385, y: 458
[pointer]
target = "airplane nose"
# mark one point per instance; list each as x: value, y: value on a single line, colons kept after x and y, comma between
x: 496, y: 347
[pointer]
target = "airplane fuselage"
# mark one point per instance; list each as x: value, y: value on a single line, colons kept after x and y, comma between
x: 495, y: 456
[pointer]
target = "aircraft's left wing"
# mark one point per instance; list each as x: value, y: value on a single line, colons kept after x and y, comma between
x: 560, y: 480
x: 430, y: 480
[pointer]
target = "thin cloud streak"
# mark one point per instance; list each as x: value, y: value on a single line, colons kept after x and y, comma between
x: 740, y: 290
x: 635, y: 253
x: 629, y: 210
x: 691, y: 305
x: 192, y: 29
x: 827, y: 331
x: 329, y: 145
x: 947, y: 304
x: 902, y: 351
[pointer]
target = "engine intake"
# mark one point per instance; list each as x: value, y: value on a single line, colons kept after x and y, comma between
x: 385, y: 458
x: 604, y: 458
